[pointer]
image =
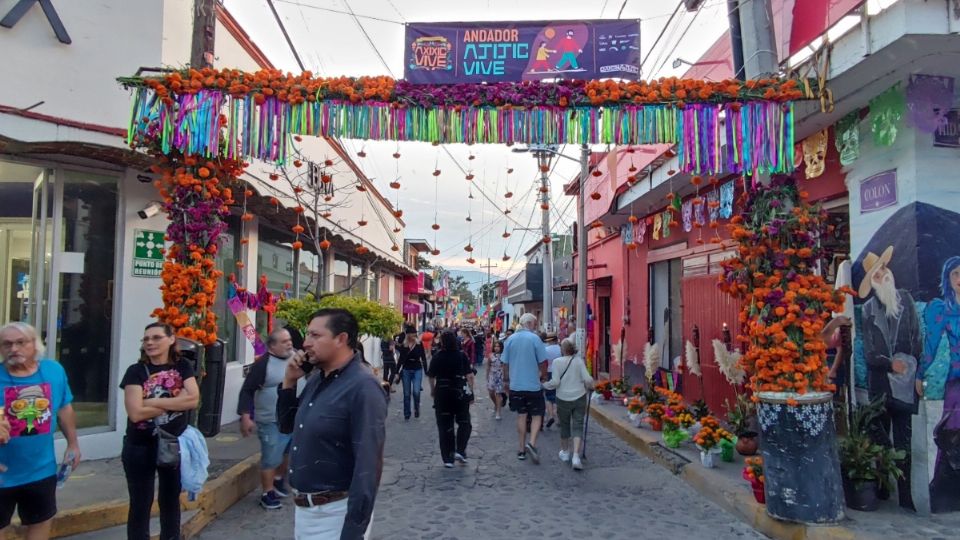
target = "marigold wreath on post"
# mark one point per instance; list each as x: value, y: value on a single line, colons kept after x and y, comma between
x: 785, y: 303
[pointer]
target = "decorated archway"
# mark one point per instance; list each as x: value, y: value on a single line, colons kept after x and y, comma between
x: 202, y: 127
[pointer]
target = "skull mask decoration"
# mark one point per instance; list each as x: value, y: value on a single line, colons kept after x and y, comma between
x: 814, y: 153
x: 886, y: 110
x: 848, y: 138
x: 929, y: 98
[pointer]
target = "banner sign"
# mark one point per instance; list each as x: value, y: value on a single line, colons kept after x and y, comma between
x: 473, y: 52
x: 948, y: 134
x: 878, y: 191
x: 147, y: 253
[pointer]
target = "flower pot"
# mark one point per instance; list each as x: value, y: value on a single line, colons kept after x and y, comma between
x: 656, y: 424
x: 798, y: 432
x: 726, y: 450
x: 747, y: 443
x: 708, y: 458
x: 861, y: 495
x: 758, y: 493
x: 608, y: 395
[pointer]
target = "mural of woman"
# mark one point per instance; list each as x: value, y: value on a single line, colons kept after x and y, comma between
x: 941, y: 316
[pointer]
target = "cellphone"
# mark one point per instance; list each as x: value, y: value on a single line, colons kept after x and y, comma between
x: 307, y: 366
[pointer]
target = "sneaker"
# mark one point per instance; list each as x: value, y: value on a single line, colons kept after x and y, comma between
x: 270, y: 501
x: 279, y: 489
x: 497, y: 417
x: 564, y: 456
x: 534, y: 454
x: 448, y: 464
x: 577, y: 464
x: 521, y: 456
x: 460, y: 457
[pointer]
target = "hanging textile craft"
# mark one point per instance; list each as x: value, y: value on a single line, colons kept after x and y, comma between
x: 847, y: 134
x: 657, y: 224
x: 687, y: 215
x: 667, y: 222
x: 929, y: 98
x: 815, y: 154
x: 640, y: 229
x: 699, y: 214
x: 726, y: 200
x: 187, y: 110
x: 886, y: 111
x: 713, y: 205
x: 626, y: 233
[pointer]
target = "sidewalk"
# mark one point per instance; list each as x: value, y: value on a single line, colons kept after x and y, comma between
x: 725, y: 486
x: 94, y: 499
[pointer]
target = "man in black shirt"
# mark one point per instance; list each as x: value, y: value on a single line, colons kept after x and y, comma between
x: 338, y: 427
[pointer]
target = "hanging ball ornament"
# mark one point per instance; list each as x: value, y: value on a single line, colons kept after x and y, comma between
x: 395, y: 184
x: 435, y: 226
x: 436, y: 172
x: 396, y: 155
x: 394, y: 248
x: 468, y: 248
x: 324, y: 244
x: 595, y: 196
x: 470, y: 176
x: 471, y: 260
x: 506, y: 257
x: 505, y: 234
x: 398, y: 214
x: 362, y: 223
x: 508, y: 194
x: 435, y: 252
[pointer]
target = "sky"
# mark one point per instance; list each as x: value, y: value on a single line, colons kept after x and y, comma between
x: 333, y: 42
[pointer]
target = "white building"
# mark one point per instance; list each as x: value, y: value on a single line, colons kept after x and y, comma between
x: 70, y: 193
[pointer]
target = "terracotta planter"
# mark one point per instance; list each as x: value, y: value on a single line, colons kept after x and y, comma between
x: 747, y: 443
x: 758, y: 492
x: 656, y: 424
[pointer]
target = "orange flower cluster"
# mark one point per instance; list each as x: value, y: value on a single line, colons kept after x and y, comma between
x: 656, y: 411
x: 196, y: 195
x: 635, y: 405
x: 753, y: 469
x: 785, y: 304
x: 679, y: 91
x: 271, y: 83
x: 711, y: 433
x: 603, y: 386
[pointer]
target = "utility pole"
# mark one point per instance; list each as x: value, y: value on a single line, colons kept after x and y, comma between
x: 581, y: 336
x: 204, y: 30
x: 736, y: 38
x: 488, y: 266
x: 759, y: 41
x: 547, y: 255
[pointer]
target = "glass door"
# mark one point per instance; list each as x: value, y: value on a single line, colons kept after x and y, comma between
x: 25, y: 228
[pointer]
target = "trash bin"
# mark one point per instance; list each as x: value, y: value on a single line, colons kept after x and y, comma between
x: 211, y: 389
x: 192, y: 352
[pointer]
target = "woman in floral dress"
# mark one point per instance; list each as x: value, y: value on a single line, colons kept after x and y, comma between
x: 495, y: 378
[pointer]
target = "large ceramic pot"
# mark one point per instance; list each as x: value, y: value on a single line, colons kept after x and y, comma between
x: 747, y: 443
x: 798, y: 433
x: 861, y: 495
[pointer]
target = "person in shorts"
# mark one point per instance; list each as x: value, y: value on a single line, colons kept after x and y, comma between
x: 526, y: 359
x: 553, y: 352
x: 257, y: 407
x: 36, y: 400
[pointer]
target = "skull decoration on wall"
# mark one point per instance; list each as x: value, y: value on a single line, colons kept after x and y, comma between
x: 815, y: 153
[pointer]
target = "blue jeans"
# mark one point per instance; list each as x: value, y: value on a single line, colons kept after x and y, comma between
x: 412, y: 381
x: 273, y: 445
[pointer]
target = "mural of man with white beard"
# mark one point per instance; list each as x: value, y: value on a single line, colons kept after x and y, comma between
x: 892, y: 344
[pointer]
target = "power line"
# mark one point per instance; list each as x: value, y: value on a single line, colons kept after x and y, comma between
x: 286, y: 36
x: 662, y: 31
x: 341, y: 12
x: 369, y: 40
x: 679, y: 41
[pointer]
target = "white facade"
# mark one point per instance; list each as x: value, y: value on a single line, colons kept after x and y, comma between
x: 77, y: 131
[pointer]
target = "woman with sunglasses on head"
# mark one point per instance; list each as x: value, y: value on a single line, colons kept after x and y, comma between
x: 158, y: 391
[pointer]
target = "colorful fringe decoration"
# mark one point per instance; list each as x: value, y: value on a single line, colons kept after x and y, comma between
x: 711, y: 138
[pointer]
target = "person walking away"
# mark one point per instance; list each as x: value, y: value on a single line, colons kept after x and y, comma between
x: 338, y: 426
x: 479, y: 341
x: 526, y: 360
x: 158, y: 391
x: 468, y: 346
x: 257, y: 407
x: 495, y: 379
x: 550, y: 395
x: 413, y: 362
x: 450, y: 379
x: 572, y: 381
x: 36, y: 400
x: 427, y: 340
x: 389, y: 356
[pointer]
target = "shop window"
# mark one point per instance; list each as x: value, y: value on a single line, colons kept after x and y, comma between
x: 358, y: 280
x: 374, y: 280
x: 666, y: 310
x: 226, y: 261
x: 341, y: 273
x: 310, y: 273
x: 275, y: 260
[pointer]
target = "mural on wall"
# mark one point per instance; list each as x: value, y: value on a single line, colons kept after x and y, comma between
x: 908, y: 336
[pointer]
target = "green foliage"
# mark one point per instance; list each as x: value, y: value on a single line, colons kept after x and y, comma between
x: 739, y: 413
x: 423, y: 263
x: 374, y: 319
x: 700, y: 409
x: 862, y: 459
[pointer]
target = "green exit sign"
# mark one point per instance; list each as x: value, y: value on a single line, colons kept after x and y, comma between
x: 147, y: 253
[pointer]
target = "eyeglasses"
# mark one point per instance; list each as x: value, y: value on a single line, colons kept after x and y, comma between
x: 148, y: 339
x: 20, y: 343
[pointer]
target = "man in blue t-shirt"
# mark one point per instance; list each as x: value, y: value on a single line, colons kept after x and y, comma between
x: 526, y: 357
x: 36, y: 399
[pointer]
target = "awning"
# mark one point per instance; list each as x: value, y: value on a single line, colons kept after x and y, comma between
x: 411, y: 308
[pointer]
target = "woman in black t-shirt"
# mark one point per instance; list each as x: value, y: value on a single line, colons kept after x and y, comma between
x: 451, y: 386
x: 412, y: 361
x: 158, y: 391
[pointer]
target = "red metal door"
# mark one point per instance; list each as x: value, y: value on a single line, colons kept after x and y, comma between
x: 707, y: 308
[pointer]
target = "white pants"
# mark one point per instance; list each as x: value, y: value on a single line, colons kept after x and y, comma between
x: 323, y: 522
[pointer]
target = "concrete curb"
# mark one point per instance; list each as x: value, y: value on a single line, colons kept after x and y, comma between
x: 732, y: 496
x: 217, y: 495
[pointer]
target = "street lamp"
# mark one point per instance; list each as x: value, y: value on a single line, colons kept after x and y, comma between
x: 581, y: 335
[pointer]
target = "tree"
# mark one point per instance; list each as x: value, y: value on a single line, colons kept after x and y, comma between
x: 374, y: 319
x: 423, y: 263
x: 459, y: 287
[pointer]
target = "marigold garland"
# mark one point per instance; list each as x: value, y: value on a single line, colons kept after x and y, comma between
x: 785, y: 304
x: 196, y: 195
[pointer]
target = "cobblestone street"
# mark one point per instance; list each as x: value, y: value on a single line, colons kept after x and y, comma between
x: 620, y: 494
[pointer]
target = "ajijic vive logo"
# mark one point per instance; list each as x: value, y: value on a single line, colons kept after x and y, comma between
x: 430, y: 54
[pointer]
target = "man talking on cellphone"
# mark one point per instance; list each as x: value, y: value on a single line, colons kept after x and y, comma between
x: 338, y: 427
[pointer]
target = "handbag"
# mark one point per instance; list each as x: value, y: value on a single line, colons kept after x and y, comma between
x: 168, y: 444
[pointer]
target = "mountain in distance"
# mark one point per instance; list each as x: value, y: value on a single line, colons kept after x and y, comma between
x: 474, y: 278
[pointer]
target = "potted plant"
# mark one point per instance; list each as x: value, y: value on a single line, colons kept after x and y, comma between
x: 655, y: 413
x: 708, y: 440
x: 620, y: 387
x: 672, y: 434
x: 866, y: 465
x: 634, y: 410
x: 753, y: 473
x: 741, y: 415
x: 604, y: 389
